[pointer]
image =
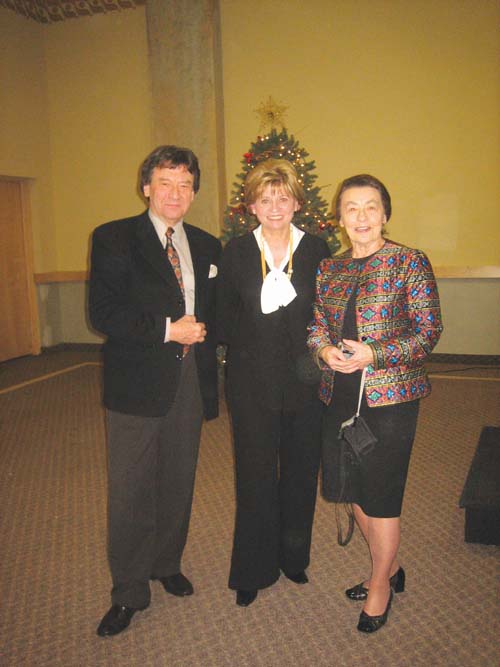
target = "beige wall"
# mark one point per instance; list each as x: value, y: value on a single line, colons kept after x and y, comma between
x: 100, y: 124
x: 405, y: 90
x: 75, y: 117
x: 24, y: 124
x: 408, y: 91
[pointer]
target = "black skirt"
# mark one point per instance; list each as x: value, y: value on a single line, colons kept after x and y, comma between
x: 376, y: 484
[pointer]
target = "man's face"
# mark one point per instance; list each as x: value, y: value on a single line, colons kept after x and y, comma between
x: 170, y: 193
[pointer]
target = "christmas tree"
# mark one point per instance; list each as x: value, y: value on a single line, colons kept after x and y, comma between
x: 313, y: 216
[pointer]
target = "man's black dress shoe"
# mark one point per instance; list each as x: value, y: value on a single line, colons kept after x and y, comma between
x: 369, y: 623
x: 359, y: 592
x: 176, y: 584
x: 116, y: 620
x: 245, y: 598
x: 298, y: 578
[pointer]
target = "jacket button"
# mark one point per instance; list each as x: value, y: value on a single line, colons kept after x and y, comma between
x: 178, y: 357
x: 180, y: 302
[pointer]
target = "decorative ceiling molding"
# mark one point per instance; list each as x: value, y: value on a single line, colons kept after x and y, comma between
x: 53, y: 11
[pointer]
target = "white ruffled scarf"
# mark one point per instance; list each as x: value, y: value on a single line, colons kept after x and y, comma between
x: 277, y: 289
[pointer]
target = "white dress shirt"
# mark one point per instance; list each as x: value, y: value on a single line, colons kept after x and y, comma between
x: 181, y: 245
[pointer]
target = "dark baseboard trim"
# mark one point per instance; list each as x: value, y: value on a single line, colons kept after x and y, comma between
x: 60, y: 347
x: 467, y: 359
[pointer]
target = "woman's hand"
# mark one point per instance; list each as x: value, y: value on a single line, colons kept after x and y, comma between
x: 362, y: 356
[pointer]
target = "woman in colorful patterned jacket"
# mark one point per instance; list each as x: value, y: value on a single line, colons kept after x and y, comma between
x: 376, y: 316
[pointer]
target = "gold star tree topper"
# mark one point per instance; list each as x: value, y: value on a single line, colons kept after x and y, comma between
x: 271, y: 114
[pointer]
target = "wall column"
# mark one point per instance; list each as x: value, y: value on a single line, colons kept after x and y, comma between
x: 187, y: 101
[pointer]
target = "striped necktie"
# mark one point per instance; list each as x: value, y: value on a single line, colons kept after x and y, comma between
x: 174, y: 258
x: 176, y: 265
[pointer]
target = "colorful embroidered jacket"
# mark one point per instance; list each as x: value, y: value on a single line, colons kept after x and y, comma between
x: 397, y: 314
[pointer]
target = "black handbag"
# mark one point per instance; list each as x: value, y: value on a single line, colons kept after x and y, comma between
x: 358, y: 436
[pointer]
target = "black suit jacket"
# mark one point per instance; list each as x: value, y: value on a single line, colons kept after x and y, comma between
x: 252, y: 337
x: 132, y: 290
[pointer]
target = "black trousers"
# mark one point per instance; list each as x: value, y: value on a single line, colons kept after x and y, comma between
x: 277, y: 458
x: 151, y: 473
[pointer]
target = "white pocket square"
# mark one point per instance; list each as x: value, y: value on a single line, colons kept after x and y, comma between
x: 213, y: 271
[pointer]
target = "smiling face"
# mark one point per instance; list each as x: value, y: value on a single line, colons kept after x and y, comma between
x: 362, y: 215
x: 170, y: 193
x: 274, y: 208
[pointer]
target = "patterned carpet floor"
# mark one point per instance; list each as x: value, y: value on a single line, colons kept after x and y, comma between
x: 54, y: 581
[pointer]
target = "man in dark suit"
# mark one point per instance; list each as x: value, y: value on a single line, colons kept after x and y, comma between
x: 152, y: 293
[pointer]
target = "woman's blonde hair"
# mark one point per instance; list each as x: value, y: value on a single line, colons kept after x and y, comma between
x: 276, y: 173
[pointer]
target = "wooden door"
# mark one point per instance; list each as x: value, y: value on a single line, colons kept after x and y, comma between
x: 19, y: 334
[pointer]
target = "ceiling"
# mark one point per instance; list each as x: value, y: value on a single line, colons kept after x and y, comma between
x: 53, y: 11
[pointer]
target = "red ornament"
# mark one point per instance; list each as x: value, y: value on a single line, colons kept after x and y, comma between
x: 248, y: 157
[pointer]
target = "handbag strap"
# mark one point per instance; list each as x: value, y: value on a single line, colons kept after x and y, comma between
x: 343, y: 539
x: 361, y: 387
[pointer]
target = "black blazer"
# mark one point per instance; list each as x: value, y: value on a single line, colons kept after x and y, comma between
x: 132, y: 290
x: 250, y: 335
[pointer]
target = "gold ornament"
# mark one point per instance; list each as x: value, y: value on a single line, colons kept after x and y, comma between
x: 272, y: 115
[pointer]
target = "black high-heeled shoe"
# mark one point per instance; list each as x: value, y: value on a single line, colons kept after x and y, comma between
x: 359, y: 592
x: 369, y: 623
x: 245, y: 598
x: 297, y: 578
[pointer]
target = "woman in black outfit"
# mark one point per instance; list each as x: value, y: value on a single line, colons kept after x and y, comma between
x: 266, y: 290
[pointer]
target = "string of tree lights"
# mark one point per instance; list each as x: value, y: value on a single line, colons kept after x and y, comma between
x: 313, y: 216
